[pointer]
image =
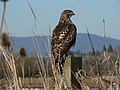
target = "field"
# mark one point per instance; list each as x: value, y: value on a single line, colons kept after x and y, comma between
x: 29, y: 73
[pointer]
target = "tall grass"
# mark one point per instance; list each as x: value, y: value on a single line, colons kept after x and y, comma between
x: 7, y: 54
x: 105, y: 62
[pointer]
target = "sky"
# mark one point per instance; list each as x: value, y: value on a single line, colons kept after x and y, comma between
x: 90, y: 13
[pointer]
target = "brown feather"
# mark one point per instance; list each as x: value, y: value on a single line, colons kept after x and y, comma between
x: 63, y: 37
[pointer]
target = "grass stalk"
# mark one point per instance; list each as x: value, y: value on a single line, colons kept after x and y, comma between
x: 3, y: 15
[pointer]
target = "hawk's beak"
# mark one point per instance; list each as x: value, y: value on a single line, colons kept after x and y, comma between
x: 73, y: 13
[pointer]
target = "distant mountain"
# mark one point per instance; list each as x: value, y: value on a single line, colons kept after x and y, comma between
x: 42, y: 43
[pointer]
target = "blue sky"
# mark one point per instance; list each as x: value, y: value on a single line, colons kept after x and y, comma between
x: 88, y: 12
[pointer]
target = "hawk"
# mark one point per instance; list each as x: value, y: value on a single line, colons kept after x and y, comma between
x: 63, y: 38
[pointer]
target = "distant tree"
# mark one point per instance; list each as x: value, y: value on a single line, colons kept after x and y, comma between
x: 97, y: 52
x: 78, y: 52
x: 70, y: 53
x: 104, y: 48
x: 89, y: 53
x: 117, y: 48
x: 110, y: 48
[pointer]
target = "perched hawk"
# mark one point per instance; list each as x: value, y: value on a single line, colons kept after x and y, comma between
x: 63, y: 37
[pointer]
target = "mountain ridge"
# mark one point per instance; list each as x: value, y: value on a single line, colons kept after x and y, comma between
x: 41, y: 43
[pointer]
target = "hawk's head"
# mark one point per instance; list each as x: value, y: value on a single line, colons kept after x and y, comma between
x: 65, y: 16
x: 67, y: 13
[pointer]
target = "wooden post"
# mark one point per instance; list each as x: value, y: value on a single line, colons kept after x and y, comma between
x: 72, y: 64
x: 67, y: 71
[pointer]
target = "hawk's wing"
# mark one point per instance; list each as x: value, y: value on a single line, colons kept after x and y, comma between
x: 71, y: 37
x: 64, y: 36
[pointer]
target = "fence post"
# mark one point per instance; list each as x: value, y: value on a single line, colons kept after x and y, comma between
x: 72, y: 64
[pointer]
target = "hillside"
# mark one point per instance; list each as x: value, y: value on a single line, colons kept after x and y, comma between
x: 41, y: 42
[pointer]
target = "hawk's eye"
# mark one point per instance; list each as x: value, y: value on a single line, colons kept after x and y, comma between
x: 69, y: 11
